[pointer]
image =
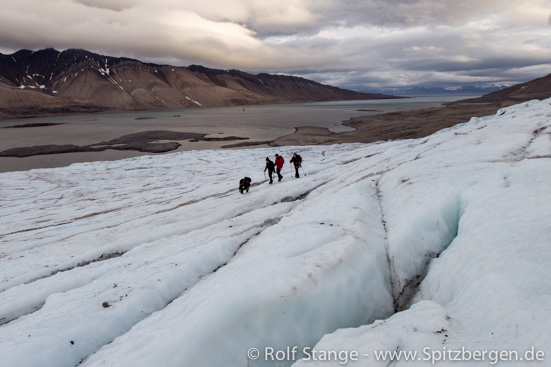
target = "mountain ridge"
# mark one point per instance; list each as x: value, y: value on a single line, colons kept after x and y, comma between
x: 35, y: 83
x: 539, y: 88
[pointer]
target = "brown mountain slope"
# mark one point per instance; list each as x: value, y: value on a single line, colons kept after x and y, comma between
x: 420, y: 123
x: 49, y: 81
x: 535, y: 89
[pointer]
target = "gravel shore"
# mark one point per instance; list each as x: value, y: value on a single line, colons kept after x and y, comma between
x: 390, y: 126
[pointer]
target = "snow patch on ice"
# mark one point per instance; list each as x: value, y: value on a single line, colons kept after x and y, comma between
x: 451, y: 231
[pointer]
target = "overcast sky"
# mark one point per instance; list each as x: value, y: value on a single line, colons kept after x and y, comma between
x: 356, y: 44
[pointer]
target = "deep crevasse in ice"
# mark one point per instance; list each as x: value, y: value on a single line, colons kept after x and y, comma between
x: 486, y: 298
x: 454, y: 223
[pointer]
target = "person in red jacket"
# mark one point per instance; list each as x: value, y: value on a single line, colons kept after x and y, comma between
x: 279, y: 165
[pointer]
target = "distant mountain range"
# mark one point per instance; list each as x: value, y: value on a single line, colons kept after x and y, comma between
x: 470, y: 90
x: 72, y: 81
x: 539, y: 88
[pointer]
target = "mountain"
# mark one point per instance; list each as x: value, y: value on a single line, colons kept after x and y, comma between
x: 470, y: 90
x: 498, y: 93
x: 535, y: 89
x: 50, y: 81
x: 428, y: 246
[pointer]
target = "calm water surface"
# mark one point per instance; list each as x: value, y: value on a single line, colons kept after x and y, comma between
x: 258, y: 123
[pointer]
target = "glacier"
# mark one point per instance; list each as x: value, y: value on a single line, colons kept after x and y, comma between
x: 432, y: 246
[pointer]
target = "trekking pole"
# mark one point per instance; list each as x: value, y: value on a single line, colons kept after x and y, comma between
x: 303, y: 170
x: 265, y: 176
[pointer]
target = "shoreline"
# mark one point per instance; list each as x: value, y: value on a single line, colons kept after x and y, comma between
x: 405, y: 124
x: 408, y: 124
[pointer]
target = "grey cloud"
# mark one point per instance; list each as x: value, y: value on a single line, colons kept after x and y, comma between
x: 118, y: 5
x: 363, y: 44
x: 408, y: 13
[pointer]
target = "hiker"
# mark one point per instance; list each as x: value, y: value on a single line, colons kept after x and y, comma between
x: 244, y: 184
x: 279, y: 165
x: 270, y: 166
x: 297, y: 160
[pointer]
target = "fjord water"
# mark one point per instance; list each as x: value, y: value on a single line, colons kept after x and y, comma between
x: 258, y: 123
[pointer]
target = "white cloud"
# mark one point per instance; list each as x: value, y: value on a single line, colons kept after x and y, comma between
x: 371, y: 42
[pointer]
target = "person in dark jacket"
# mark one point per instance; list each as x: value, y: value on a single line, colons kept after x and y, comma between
x: 297, y: 161
x: 270, y: 166
x: 244, y: 184
x: 279, y: 165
